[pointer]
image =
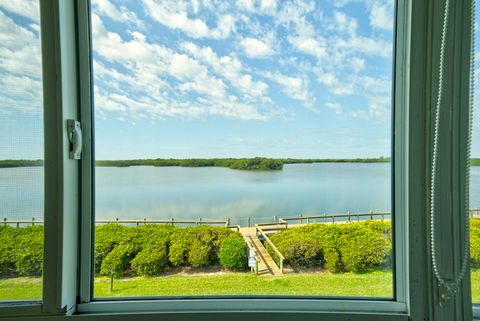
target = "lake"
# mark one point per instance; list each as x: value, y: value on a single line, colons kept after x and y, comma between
x: 218, y: 193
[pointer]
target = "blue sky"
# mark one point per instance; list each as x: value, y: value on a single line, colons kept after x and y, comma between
x: 218, y: 78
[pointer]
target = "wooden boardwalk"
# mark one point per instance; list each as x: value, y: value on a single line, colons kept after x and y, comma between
x: 266, y: 264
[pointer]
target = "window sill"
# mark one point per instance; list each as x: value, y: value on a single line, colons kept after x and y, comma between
x: 20, y: 308
x: 396, y: 310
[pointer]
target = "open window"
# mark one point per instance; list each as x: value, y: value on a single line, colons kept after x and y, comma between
x: 243, y: 148
x: 210, y: 128
x: 21, y: 153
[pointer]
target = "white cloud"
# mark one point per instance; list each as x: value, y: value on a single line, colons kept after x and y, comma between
x: 294, y: 87
x: 378, y: 109
x: 120, y: 14
x: 150, y: 61
x: 381, y: 16
x: 25, y: 8
x: 310, y: 45
x: 379, y: 106
x: 255, y: 48
x: 344, y: 23
x: 197, y: 81
x: 159, y: 83
x: 335, y: 41
x: 358, y: 64
x: 229, y: 68
x: 336, y: 107
x: 20, y: 68
x: 337, y: 87
x: 366, y: 45
x: 174, y: 15
x: 258, y: 6
x: 374, y: 85
x: 354, y: 85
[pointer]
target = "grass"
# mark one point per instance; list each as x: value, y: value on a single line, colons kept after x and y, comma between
x: 376, y: 284
x: 475, y: 280
x: 21, y: 288
x: 369, y: 284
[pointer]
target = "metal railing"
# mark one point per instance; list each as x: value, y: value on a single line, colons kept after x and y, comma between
x: 332, y: 217
x: 260, y: 231
x: 302, y: 219
x: 172, y: 221
x: 475, y: 213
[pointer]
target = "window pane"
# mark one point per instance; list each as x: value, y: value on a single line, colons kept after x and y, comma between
x: 241, y: 136
x: 21, y: 152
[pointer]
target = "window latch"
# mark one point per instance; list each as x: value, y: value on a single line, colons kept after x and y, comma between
x: 75, y: 137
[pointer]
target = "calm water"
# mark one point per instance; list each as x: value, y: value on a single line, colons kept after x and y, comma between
x: 217, y: 193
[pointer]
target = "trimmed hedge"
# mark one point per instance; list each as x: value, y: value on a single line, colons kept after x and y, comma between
x: 149, y: 249
x: 475, y: 243
x: 348, y: 247
x: 233, y: 253
x: 151, y: 260
x: 21, y: 250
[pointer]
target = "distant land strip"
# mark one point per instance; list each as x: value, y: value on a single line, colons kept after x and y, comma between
x: 256, y: 163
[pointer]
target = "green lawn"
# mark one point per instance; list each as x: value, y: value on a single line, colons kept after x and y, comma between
x: 369, y: 284
x: 377, y: 284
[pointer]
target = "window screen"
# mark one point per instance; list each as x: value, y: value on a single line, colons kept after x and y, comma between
x: 21, y: 152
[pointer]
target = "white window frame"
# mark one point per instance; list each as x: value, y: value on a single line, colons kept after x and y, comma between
x: 69, y: 184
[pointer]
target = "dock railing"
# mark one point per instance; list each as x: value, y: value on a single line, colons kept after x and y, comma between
x: 259, y: 231
x: 200, y: 221
x: 326, y: 218
x: 302, y: 219
x: 475, y: 213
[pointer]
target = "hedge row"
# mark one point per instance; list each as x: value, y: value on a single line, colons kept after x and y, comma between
x: 142, y: 250
x: 349, y: 247
x: 337, y: 247
x: 475, y: 243
x: 149, y: 249
x: 21, y: 250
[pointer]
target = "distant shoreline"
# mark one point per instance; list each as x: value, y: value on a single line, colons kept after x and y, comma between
x: 256, y: 163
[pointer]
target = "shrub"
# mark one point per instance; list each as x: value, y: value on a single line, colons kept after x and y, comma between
x: 199, y: 254
x: 362, y: 247
x: 119, y: 259
x: 151, y: 260
x: 332, y: 261
x: 7, y: 250
x: 475, y: 242
x: 233, y: 253
x: 337, y: 247
x: 298, y: 248
x: 107, y: 237
x: 29, y: 250
x: 180, y: 243
x: 204, y: 241
x: 329, y: 235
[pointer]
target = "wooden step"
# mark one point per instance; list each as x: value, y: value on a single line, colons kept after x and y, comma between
x: 266, y: 264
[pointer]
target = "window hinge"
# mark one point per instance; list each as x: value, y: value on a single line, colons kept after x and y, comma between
x: 75, y: 137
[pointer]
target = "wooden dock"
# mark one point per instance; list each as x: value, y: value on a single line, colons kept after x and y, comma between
x: 266, y: 264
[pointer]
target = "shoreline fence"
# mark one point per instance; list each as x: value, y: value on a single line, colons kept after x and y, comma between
x: 300, y: 219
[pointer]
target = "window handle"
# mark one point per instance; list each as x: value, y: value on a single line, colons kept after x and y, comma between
x: 75, y: 138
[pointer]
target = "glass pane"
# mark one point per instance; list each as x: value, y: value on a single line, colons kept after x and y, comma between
x: 243, y: 147
x: 475, y: 183
x: 21, y: 152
